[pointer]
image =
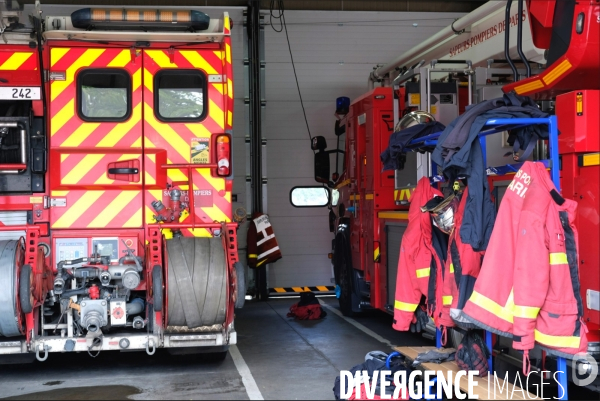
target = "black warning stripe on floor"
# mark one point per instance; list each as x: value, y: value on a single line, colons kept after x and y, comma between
x: 285, y: 290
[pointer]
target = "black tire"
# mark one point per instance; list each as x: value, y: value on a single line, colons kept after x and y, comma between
x: 197, y: 282
x: 25, y: 295
x: 157, y: 288
x: 240, y: 271
x: 346, y: 287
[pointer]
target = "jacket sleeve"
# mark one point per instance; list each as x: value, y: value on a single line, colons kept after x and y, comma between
x: 408, y: 294
x: 531, y: 278
x: 468, y: 271
x: 252, y: 247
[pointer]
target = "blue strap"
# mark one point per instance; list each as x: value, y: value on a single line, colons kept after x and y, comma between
x: 390, y: 357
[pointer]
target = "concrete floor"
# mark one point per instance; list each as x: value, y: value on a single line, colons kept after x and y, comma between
x: 276, y: 358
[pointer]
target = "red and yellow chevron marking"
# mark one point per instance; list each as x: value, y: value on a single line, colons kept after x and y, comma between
x: 18, y: 61
x: 67, y: 130
x: 89, y: 169
x: 228, y: 68
x: 210, y: 62
x: 176, y: 138
x: 376, y: 252
x: 98, y: 209
x: 81, y: 151
x: 226, y: 24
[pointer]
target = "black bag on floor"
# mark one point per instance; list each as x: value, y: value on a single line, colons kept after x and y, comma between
x: 308, y: 308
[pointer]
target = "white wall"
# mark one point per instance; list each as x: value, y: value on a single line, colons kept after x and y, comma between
x: 334, y: 52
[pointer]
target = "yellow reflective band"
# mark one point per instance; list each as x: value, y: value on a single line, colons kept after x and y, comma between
x: 447, y: 299
x: 526, y: 312
x: 423, y: 272
x: 557, y: 72
x: 376, y: 255
x: 492, y: 307
x: 403, y: 306
x: 531, y: 86
x: 253, y: 256
x: 392, y: 215
x: 557, y: 341
x: 591, y: 159
x: 559, y: 258
x: 451, y: 268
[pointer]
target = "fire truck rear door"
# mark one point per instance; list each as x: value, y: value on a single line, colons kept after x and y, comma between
x: 96, y: 137
x: 184, y: 96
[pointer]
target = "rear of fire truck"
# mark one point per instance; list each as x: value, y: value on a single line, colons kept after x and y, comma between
x: 115, y: 182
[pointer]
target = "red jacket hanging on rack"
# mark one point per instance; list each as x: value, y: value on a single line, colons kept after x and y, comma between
x: 528, y: 287
x: 417, y: 259
x: 460, y: 272
x: 262, y: 244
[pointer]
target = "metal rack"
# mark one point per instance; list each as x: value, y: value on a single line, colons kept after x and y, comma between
x: 491, y: 127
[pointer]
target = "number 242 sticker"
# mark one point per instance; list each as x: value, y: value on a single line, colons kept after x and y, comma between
x: 19, y: 93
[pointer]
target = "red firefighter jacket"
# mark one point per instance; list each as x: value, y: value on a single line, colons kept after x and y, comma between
x: 262, y: 244
x: 418, y: 260
x: 528, y: 287
x: 460, y: 272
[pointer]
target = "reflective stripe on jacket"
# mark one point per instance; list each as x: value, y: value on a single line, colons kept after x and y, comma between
x: 417, y: 258
x: 528, y: 287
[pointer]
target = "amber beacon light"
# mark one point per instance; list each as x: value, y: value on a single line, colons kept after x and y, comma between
x: 122, y: 18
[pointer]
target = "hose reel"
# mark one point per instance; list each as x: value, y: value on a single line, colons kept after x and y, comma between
x: 11, y: 261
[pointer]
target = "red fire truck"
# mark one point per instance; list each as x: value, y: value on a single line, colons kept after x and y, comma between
x: 547, y: 50
x: 115, y: 182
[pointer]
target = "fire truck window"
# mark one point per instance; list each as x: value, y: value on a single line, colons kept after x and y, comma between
x: 309, y: 196
x: 180, y: 95
x: 104, y: 95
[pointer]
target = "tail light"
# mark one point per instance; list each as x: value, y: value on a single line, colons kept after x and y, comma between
x: 223, y: 155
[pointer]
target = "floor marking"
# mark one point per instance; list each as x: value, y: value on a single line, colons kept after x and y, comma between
x: 244, y: 371
x: 359, y: 326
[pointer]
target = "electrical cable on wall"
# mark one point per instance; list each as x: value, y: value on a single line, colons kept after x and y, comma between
x: 277, y: 12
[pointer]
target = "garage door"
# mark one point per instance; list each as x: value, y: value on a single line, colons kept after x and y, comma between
x: 333, y: 54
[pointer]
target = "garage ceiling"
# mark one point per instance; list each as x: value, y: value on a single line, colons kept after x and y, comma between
x: 333, y: 5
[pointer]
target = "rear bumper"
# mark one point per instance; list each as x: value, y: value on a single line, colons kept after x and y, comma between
x: 123, y: 342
